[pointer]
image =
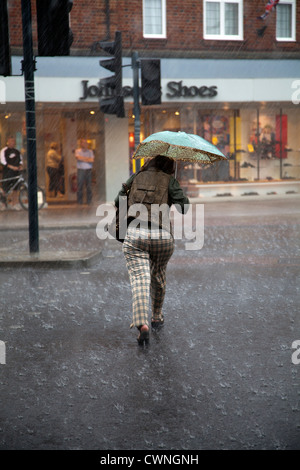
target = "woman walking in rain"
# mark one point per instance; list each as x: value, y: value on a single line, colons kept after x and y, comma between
x: 149, y: 243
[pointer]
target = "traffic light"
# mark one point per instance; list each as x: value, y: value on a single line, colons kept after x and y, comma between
x: 151, y: 88
x: 112, y: 101
x: 54, y: 33
x: 5, y: 60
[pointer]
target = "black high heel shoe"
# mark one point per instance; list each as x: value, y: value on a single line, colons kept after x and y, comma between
x: 144, y: 335
x: 157, y: 324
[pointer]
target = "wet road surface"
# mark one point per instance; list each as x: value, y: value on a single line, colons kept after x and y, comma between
x: 219, y: 375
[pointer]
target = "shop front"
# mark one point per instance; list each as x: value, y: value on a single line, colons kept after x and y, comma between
x: 261, y: 140
x: 254, y: 121
x: 64, y: 126
x: 62, y: 118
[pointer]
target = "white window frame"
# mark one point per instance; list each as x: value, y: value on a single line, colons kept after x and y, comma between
x: 222, y: 36
x: 293, y: 32
x: 163, y: 23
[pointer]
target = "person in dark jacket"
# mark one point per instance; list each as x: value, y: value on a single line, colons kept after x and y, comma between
x: 12, y: 162
x: 149, y: 242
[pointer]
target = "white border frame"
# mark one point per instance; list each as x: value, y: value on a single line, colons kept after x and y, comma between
x: 163, y: 35
x: 222, y: 36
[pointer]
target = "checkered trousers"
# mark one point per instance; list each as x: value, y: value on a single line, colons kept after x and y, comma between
x: 147, y: 253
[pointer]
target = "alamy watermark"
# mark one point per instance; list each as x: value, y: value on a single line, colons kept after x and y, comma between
x: 296, y: 354
x: 296, y: 93
x: 2, y: 353
x: 188, y: 227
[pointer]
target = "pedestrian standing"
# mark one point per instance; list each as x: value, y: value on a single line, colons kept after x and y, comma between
x: 85, y: 159
x: 53, y: 162
x: 149, y: 243
x: 12, y: 162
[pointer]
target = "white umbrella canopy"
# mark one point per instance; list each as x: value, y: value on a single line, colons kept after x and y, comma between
x: 179, y: 146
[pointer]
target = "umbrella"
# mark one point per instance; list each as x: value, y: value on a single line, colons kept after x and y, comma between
x: 179, y: 146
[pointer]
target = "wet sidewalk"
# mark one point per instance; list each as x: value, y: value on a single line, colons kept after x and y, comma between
x: 53, y: 216
x: 67, y: 237
x: 67, y: 232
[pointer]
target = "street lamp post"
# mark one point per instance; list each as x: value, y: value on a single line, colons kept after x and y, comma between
x: 28, y: 69
x: 136, y: 104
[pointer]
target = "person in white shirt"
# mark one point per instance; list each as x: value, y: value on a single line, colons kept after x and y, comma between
x: 85, y: 159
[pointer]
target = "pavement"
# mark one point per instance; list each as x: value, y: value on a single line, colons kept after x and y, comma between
x: 67, y: 232
x: 54, y: 223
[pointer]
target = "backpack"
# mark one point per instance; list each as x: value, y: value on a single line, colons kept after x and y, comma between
x: 151, y: 187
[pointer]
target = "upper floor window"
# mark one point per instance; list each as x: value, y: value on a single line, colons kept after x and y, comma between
x: 154, y: 18
x: 286, y: 20
x: 223, y: 19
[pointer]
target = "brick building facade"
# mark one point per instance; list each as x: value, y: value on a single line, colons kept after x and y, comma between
x: 95, y: 20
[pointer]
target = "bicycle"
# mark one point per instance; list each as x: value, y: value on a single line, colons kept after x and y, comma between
x: 22, y: 186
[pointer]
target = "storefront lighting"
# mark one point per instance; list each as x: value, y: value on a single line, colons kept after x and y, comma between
x: 7, y: 115
x: 177, y: 113
x: 92, y: 112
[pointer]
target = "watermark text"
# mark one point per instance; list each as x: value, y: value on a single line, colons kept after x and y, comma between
x: 188, y: 226
x: 296, y: 93
x: 2, y: 353
x: 296, y: 354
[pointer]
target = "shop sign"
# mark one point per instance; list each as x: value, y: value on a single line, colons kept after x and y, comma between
x: 96, y: 91
x: 178, y: 90
x: 175, y: 90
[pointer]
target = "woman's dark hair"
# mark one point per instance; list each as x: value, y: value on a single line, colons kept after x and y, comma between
x: 162, y: 163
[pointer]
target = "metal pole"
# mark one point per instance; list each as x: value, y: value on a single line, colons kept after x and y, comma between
x: 28, y: 69
x: 258, y: 144
x: 136, y: 104
x: 280, y: 143
x: 107, y: 19
x: 234, y: 143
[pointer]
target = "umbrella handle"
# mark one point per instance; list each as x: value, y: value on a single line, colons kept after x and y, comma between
x: 175, y: 170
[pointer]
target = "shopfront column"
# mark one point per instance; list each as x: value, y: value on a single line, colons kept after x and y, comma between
x: 116, y: 154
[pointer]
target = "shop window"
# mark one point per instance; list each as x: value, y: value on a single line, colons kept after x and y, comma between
x: 269, y: 139
x: 218, y: 129
x: 286, y: 20
x: 223, y: 19
x: 154, y: 18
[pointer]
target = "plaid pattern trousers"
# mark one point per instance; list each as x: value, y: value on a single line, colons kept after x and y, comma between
x: 147, y: 253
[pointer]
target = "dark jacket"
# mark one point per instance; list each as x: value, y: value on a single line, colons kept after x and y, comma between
x: 154, y: 187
